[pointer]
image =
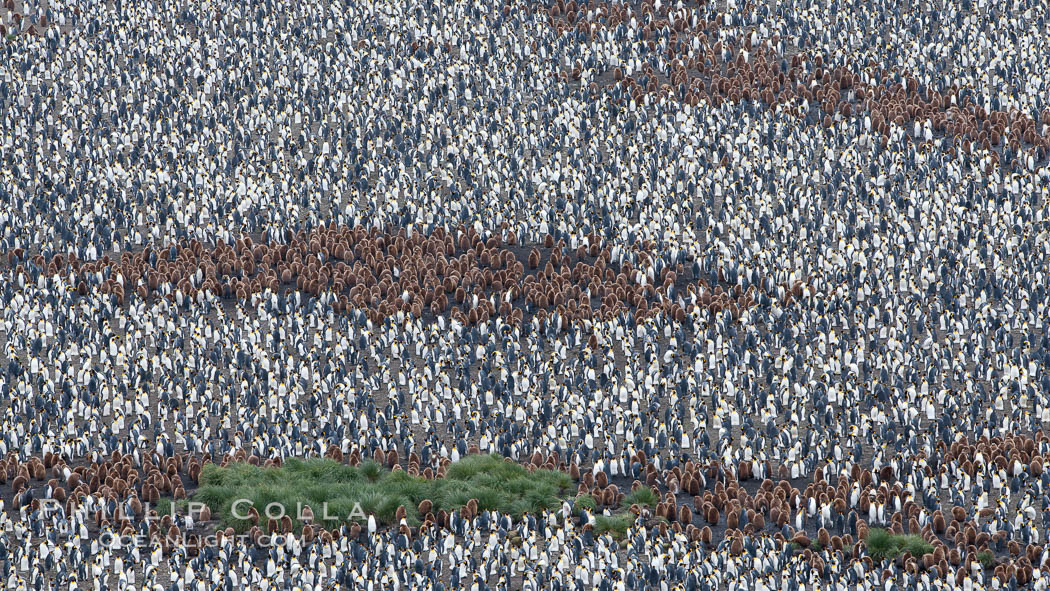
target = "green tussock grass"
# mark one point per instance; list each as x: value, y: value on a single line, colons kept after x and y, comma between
x: 883, y: 545
x: 585, y: 502
x: 642, y: 496
x: 496, y: 484
x: 614, y: 525
x: 987, y: 559
x: 165, y: 505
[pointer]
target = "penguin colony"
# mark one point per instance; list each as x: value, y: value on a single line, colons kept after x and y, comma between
x: 782, y: 263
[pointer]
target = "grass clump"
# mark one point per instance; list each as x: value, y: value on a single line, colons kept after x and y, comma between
x: 643, y: 495
x: 987, y: 559
x: 585, y: 502
x: 883, y: 545
x: 167, y: 506
x: 337, y: 493
x: 614, y: 525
